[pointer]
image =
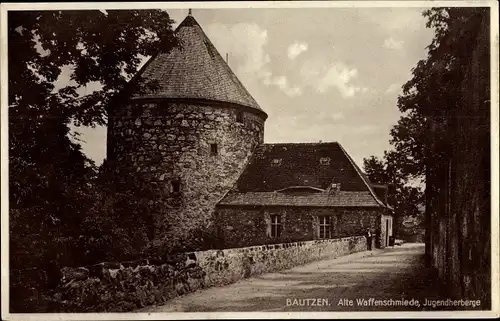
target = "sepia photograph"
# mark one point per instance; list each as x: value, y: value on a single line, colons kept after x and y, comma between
x: 287, y: 159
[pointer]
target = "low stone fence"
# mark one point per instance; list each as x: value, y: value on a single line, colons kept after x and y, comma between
x: 230, y: 265
x: 125, y: 286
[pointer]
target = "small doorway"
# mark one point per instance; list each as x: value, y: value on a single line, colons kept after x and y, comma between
x: 387, y: 232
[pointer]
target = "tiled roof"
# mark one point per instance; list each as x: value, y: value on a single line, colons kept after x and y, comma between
x: 323, y: 199
x: 194, y: 70
x: 274, y: 168
x: 277, y: 166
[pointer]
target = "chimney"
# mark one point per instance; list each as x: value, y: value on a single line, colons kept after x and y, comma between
x: 227, y: 58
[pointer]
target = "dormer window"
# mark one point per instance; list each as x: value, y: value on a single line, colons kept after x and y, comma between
x: 276, y: 162
x: 335, y: 186
x: 324, y: 161
x: 239, y: 117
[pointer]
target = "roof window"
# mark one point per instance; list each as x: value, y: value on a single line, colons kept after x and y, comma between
x: 324, y: 161
x: 335, y: 186
x: 276, y: 162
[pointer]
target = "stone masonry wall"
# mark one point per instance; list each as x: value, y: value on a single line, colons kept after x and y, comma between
x: 172, y: 142
x: 126, y: 286
x: 245, y: 225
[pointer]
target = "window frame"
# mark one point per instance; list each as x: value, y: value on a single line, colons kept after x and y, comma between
x: 325, y: 226
x: 276, y: 225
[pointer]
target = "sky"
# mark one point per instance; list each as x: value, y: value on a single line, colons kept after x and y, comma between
x: 321, y: 74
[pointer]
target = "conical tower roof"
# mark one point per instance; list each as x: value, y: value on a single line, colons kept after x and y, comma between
x: 194, y: 70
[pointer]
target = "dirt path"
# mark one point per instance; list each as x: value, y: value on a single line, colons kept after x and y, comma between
x: 329, y: 285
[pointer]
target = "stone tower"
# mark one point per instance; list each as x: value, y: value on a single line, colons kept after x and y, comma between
x: 193, y: 133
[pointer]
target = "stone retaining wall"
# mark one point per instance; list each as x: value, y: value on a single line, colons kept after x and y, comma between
x: 125, y: 286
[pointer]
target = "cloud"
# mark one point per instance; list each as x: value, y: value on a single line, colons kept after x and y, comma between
x: 294, y: 50
x: 246, y: 42
x: 282, y: 83
x: 325, y: 117
x: 390, y: 43
x: 365, y: 128
x: 395, y: 19
x: 242, y: 40
x: 337, y: 116
x: 338, y: 75
x: 392, y: 88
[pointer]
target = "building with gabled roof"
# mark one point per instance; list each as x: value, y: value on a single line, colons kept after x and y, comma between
x: 198, y: 135
x: 302, y: 191
x: 294, y: 167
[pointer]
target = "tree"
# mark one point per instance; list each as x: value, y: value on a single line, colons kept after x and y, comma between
x: 406, y: 200
x: 431, y: 96
x: 120, y: 223
x: 55, y: 190
x: 50, y: 178
x: 422, y: 139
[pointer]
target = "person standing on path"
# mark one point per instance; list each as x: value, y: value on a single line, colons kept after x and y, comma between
x: 369, y: 239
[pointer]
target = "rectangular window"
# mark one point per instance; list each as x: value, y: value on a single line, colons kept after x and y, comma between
x: 276, y: 225
x: 239, y: 117
x: 137, y: 109
x: 213, y: 150
x: 175, y: 186
x: 324, y: 227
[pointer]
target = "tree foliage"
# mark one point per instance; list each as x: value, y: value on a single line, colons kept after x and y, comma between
x: 406, y: 199
x: 52, y: 183
x: 120, y: 222
x: 427, y: 104
x: 430, y: 97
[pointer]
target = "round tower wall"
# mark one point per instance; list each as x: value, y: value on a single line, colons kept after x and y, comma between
x: 193, y: 152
